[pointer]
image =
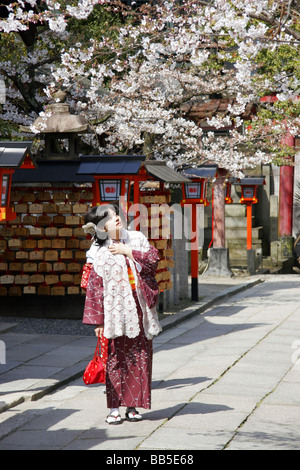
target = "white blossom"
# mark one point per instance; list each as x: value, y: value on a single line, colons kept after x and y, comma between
x: 158, y: 70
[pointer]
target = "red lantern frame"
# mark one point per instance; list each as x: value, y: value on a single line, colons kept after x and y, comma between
x: 249, y: 187
x: 228, y: 198
x: 110, y: 189
x: 195, y: 192
x: 6, y: 212
x: 249, y: 194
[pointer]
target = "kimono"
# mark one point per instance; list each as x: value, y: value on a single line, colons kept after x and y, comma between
x: 122, y: 295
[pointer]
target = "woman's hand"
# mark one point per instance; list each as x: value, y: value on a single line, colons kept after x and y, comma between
x: 121, y: 249
x: 99, y: 331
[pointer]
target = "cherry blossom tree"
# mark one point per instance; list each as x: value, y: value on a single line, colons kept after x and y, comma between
x: 138, y: 85
x: 30, y: 42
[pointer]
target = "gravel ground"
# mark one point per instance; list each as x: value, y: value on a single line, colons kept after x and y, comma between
x: 49, y: 326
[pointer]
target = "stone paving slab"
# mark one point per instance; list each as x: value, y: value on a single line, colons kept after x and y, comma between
x: 224, y: 379
x: 38, y: 363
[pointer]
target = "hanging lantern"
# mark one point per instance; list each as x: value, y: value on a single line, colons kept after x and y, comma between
x: 228, y: 198
x: 110, y: 190
x: 6, y: 212
x: 195, y: 192
x: 13, y: 155
x: 249, y: 187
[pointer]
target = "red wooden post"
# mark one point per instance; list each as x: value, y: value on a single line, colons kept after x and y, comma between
x: 249, y: 226
x: 219, y: 210
x: 286, y: 195
x: 194, y: 252
x: 136, y: 201
x: 96, y: 193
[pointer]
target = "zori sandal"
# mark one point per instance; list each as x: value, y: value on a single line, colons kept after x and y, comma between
x: 114, y: 418
x: 133, y: 415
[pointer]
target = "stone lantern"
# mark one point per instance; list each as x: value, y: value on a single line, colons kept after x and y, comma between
x: 61, y: 131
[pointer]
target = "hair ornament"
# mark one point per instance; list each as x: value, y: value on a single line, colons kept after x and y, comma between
x: 90, y: 229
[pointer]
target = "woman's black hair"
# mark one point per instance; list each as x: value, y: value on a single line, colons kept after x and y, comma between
x: 97, y: 214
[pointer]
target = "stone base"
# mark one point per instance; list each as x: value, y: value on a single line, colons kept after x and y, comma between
x: 287, y: 247
x: 218, y: 263
x: 251, y: 265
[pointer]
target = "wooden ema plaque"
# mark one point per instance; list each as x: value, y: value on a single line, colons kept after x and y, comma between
x: 159, y: 234
x: 43, y: 251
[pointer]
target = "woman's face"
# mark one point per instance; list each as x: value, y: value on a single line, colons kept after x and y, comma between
x: 113, y: 225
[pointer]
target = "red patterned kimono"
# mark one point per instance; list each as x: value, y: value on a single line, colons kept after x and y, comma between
x: 129, y: 363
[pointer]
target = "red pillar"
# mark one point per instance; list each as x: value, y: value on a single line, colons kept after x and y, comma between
x: 219, y: 210
x: 194, y: 252
x: 286, y: 195
x: 136, y: 201
x: 249, y: 226
x: 96, y: 193
x: 219, y: 255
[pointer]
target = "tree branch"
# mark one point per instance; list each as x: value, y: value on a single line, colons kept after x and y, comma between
x: 273, y: 22
x: 29, y: 98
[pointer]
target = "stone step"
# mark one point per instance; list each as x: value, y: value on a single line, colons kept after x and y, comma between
x: 235, y: 210
x: 283, y: 266
x: 237, y: 222
x: 239, y: 251
x: 238, y: 262
x: 256, y: 243
x: 241, y: 233
x: 236, y: 243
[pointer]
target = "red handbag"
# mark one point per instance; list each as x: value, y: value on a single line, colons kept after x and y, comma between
x: 85, y: 275
x: 95, y: 371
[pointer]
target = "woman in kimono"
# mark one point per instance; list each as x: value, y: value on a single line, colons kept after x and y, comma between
x: 120, y: 302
